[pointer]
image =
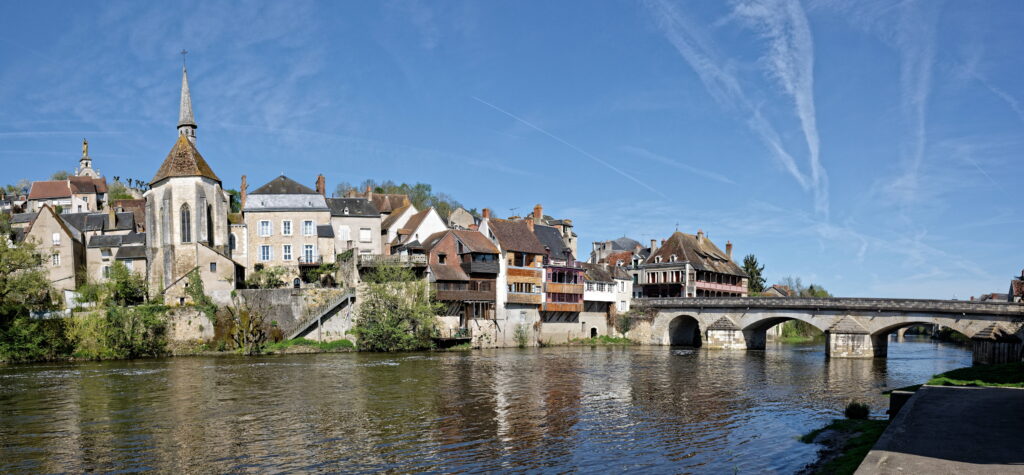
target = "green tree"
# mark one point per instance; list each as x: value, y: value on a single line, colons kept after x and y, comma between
x: 397, y: 312
x: 755, y: 273
x: 24, y: 285
x: 126, y: 287
x: 267, y: 278
x: 60, y: 175
x: 235, y: 199
x: 248, y: 331
x: 118, y: 191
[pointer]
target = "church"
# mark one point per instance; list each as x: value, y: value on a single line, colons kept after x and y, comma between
x: 187, y: 220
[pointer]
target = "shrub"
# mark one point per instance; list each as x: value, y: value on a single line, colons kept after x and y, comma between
x: 247, y: 329
x: 521, y: 335
x: 857, y: 410
x: 121, y: 332
x: 397, y: 313
x: 28, y: 339
x: 624, y: 324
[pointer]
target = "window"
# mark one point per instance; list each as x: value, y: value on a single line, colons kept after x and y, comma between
x: 264, y: 228
x: 286, y: 227
x: 213, y: 267
x: 461, y: 249
x: 105, y: 253
x: 657, y: 258
x: 265, y: 253
x: 308, y: 251
x: 344, y: 233
x: 672, y: 258
x: 308, y: 229
x: 232, y: 243
x: 186, y: 223
x: 55, y: 259
x: 286, y: 252
x: 364, y: 235
x: 106, y: 272
x: 129, y: 264
x: 56, y: 239
x: 441, y: 258
x: 622, y: 305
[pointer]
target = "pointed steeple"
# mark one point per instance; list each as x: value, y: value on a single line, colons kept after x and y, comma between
x: 186, y: 122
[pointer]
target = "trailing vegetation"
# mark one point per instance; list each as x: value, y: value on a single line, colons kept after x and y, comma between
x: 29, y: 339
x: 602, y: 340
x: 847, y: 441
x: 120, y: 332
x: 246, y: 328
x: 397, y: 313
x: 267, y: 278
x: 337, y: 345
x: 796, y: 331
x: 197, y: 292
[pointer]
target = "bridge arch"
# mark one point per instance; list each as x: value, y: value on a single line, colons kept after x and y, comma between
x: 684, y: 330
x: 761, y: 323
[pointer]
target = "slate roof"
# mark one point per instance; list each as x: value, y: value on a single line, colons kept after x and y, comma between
x: 136, y: 207
x: 447, y: 272
x: 45, y: 190
x: 624, y: 244
x: 117, y: 240
x: 551, y: 239
x: 598, y: 273
x: 283, y: 185
x: 358, y: 207
x: 702, y: 255
x: 123, y: 221
x: 516, y: 236
x: 184, y: 160
x: 22, y: 218
x: 324, y: 231
x: 285, y: 202
x: 131, y: 252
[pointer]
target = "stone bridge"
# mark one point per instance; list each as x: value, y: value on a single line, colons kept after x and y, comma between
x: 854, y: 327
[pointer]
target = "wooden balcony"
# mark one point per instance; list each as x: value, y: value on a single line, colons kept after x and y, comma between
x: 529, y: 298
x: 530, y: 275
x: 562, y: 307
x: 479, y: 267
x: 556, y: 288
x: 465, y: 295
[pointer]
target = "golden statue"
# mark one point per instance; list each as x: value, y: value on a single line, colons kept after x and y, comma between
x: 85, y: 148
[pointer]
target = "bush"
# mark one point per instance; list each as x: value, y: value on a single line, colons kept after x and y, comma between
x: 624, y: 323
x: 397, y: 313
x: 28, y: 339
x: 247, y: 329
x: 120, y: 333
x: 857, y: 410
x: 521, y: 335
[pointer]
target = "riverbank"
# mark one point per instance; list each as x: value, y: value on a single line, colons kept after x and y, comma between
x: 848, y: 442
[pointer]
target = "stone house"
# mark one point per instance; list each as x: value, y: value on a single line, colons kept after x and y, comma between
x: 356, y: 223
x: 61, y: 247
x: 459, y: 218
x: 690, y: 265
x: 187, y: 219
x: 289, y: 225
x: 72, y: 195
x: 610, y: 252
x: 520, y: 282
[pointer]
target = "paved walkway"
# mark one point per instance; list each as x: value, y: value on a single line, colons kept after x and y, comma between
x: 958, y: 430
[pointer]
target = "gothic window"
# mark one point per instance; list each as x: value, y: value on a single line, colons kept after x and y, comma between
x: 186, y: 223
x: 209, y: 225
x: 231, y: 242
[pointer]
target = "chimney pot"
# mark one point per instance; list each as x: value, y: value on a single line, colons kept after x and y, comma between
x: 538, y: 213
x: 321, y: 185
x: 654, y: 245
x: 487, y: 213
x: 728, y: 249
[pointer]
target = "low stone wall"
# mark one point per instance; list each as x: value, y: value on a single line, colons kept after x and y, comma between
x: 188, y: 324
x: 291, y: 307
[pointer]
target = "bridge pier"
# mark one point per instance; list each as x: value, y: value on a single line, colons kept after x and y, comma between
x: 727, y: 340
x: 850, y: 345
x: 901, y: 334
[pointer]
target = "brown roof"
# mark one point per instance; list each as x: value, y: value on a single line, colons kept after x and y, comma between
x: 42, y: 190
x: 1017, y: 287
x: 184, y: 160
x: 389, y: 202
x: 598, y: 273
x: 415, y: 220
x: 390, y: 220
x: 475, y: 241
x: 516, y: 236
x: 447, y: 272
x: 625, y: 256
x: 701, y: 254
x: 136, y: 207
x: 84, y: 184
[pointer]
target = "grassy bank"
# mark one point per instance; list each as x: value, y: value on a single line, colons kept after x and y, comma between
x: 1007, y: 375
x: 602, y: 340
x: 847, y: 442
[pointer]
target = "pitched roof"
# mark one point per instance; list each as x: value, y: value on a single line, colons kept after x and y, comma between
x: 389, y: 202
x: 136, y: 207
x: 415, y: 220
x: 105, y: 240
x: 283, y: 185
x: 447, y: 272
x: 702, y: 254
x: 516, y: 236
x: 84, y: 184
x: 625, y: 256
x: 624, y: 244
x: 184, y: 160
x: 551, y: 238
x: 357, y: 207
x: 131, y: 252
x: 18, y: 218
x: 43, y: 190
x: 393, y: 217
x: 475, y: 241
x: 598, y: 273
x: 123, y: 221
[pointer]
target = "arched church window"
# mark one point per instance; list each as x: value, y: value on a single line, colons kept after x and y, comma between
x: 186, y: 223
x: 231, y: 241
x: 209, y: 225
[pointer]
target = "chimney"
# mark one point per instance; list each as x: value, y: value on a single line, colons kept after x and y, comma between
x: 529, y: 224
x: 369, y: 192
x: 487, y: 213
x: 245, y: 191
x: 654, y: 245
x: 321, y: 185
x: 111, y: 216
x: 700, y: 235
x: 728, y: 249
x: 538, y: 213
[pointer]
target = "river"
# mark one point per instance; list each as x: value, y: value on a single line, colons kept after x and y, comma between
x: 652, y: 409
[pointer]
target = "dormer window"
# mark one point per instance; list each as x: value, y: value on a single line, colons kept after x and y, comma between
x: 672, y: 258
x: 346, y: 210
x: 657, y: 258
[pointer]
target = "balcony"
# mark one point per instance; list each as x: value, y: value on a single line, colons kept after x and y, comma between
x: 373, y: 260
x: 464, y: 292
x: 311, y: 261
x: 481, y: 267
x: 556, y: 288
x: 531, y: 275
x: 528, y: 298
x: 562, y: 307
x: 720, y: 287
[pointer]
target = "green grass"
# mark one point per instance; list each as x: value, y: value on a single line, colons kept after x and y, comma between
x: 864, y: 435
x: 602, y: 340
x: 325, y: 346
x: 1008, y: 375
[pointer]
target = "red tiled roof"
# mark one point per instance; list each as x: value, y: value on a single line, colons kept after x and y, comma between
x: 475, y: 241
x: 43, y: 190
x: 516, y: 236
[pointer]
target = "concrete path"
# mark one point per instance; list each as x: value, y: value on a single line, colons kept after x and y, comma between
x: 958, y: 430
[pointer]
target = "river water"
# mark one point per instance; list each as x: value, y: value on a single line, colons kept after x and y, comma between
x: 652, y: 409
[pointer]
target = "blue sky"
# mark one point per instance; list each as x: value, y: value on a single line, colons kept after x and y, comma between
x: 871, y: 147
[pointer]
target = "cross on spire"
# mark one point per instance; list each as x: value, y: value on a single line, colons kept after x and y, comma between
x: 183, y: 53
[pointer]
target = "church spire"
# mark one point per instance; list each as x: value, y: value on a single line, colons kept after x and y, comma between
x: 186, y: 122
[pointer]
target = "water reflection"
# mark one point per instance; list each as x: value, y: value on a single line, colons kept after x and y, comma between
x: 555, y: 409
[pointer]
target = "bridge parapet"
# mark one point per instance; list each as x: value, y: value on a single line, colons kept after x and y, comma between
x: 960, y: 307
